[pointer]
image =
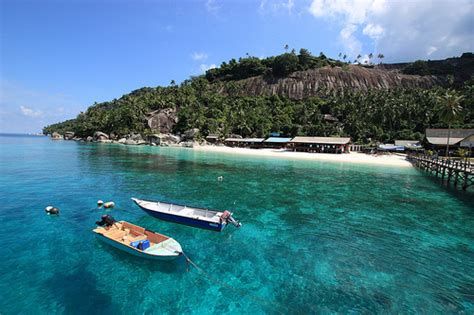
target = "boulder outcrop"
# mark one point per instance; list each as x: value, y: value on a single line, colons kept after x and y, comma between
x: 99, y: 135
x: 163, y: 120
x: 56, y: 136
x: 69, y: 135
x: 303, y: 84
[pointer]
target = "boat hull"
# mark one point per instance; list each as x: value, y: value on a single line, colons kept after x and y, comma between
x: 218, y: 227
x: 132, y: 251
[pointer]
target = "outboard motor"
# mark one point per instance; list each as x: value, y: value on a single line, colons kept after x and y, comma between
x: 106, y: 220
x: 227, y: 217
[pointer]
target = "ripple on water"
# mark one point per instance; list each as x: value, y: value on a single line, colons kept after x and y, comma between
x: 317, y: 237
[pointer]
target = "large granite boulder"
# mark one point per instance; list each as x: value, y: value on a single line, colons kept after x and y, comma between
x: 191, y: 134
x: 122, y: 141
x: 69, y: 135
x: 99, y: 135
x: 163, y: 120
x: 89, y: 139
x: 136, y: 137
x: 56, y: 136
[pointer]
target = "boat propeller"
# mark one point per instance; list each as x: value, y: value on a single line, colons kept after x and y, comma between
x: 227, y: 217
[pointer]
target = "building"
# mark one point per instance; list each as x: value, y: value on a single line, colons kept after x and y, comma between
x: 437, y: 139
x: 253, y: 143
x: 320, y: 144
x: 212, y: 138
x: 276, y: 142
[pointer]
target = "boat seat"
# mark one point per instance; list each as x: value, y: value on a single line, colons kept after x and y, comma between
x: 118, y: 234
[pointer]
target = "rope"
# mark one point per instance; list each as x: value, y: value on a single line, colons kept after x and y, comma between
x: 243, y: 293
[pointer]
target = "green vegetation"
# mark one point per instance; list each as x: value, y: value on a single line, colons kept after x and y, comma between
x: 278, y: 66
x: 383, y: 115
x: 450, y: 110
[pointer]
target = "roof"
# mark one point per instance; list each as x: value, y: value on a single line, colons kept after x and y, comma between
x: 443, y: 140
x: 440, y: 136
x: 321, y: 140
x: 406, y: 143
x: 468, y: 141
x: 443, y: 133
x: 277, y: 140
x: 244, y: 140
x: 211, y: 136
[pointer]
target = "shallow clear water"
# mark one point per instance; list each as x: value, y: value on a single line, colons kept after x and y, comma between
x: 317, y: 237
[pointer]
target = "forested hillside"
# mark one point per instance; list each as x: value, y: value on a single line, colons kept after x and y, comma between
x: 252, y: 97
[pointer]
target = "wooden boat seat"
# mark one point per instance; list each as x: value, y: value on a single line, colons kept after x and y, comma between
x: 116, y: 234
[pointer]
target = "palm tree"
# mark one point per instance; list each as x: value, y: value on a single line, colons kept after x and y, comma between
x: 450, y: 110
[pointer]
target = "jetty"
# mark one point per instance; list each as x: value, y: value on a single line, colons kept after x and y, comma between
x: 457, y: 172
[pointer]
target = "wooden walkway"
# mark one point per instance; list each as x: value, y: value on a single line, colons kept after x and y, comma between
x: 457, y: 172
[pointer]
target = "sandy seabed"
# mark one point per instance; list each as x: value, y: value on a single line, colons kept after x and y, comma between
x: 398, y: 160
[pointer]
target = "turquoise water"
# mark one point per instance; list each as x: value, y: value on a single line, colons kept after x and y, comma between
x: 317, y: 237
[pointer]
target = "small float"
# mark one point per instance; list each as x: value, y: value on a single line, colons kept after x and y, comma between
x: 197, y: 217
x: 137, y: 240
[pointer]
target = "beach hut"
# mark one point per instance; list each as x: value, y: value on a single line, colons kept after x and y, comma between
x: 276, y: 142
x: 320, y: 144
x: 253, y: 143
x: 437, y: 139
x: 212, y: 138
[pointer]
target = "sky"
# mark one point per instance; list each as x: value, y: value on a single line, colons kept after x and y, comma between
x: 59, y: 57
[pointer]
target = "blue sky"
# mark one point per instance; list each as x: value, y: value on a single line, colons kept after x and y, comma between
x: 59, y: 57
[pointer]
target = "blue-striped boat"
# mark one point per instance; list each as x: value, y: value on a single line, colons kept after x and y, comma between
x: 136, y: 240
x: 197, y: 217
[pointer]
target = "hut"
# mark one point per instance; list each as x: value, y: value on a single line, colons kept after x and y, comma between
x: 320, y: 144
x: 437, y: 139
x: 276, y: 142
x: 253, y: 143
x: 212, y: 138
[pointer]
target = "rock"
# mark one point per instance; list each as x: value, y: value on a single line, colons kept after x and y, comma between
x: 309, y: 83
x: 99, y: 135
x: 188, y: 144
x: 113, y: 136
x: 56, y: 136
x: 163, y: 120
x: 89, y: 139
x: 130, y: 142
x: 234, y: 136
x: 135, y: 142
x: 69, y: 135
x: 122, y: 140
x: 136, y: 137
x: 191, y: 134
x: 105, y: 141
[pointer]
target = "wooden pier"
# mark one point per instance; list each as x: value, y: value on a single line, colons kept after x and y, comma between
x: 457, y: 172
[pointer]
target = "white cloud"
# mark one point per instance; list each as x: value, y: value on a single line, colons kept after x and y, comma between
x: 374, y: 31
x: 31, y: 112
x: 276, y: 6
x: 401, y: 30
x: 199, y: 56
x: 204, y: 67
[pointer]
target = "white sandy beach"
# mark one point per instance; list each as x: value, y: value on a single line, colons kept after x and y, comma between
x: 353, y: 157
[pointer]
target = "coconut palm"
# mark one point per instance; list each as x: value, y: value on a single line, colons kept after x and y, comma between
x: 450, y: 110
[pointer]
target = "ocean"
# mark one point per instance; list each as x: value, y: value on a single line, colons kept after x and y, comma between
x: 317, y: 237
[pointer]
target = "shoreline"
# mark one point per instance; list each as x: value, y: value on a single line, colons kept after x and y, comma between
x: 352, y: 157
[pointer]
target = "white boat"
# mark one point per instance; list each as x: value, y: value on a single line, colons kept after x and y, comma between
x: 198, y: 217
x: 137, y: 240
